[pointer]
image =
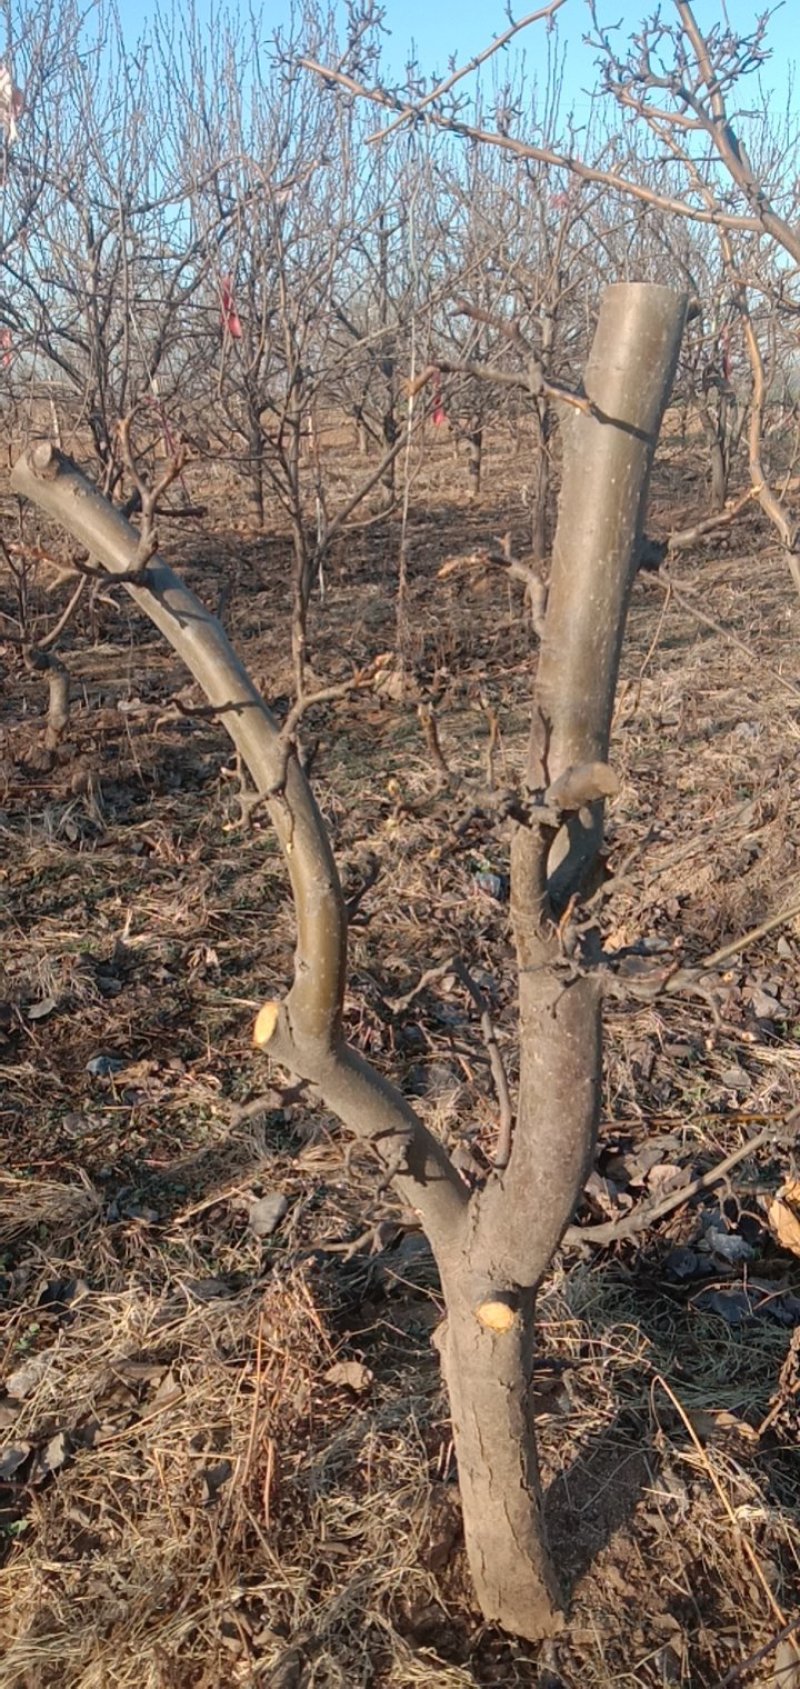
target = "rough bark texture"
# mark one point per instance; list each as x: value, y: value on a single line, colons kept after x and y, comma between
x: 540, y: 484
x: 489, y: 1379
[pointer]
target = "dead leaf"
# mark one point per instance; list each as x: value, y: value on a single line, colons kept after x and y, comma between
x: 664, y: 1177
x: 12, y: 1459
x: 39, y: 1011
x: 25, y: 1379
x: 708, y: 1423
x: 265, y: 1215
x: 605, y: 1196
x: 351, y: 1374
x: 787, y: 1664
x: 53, y: 1456
x: 169, y: 1390
x: 783, y: 1216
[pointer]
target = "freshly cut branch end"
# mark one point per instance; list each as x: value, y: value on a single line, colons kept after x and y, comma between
x: 497, y: 1316
x: 266, y: 1022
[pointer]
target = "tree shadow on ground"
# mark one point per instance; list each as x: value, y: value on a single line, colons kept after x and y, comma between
x: 597, y: 1494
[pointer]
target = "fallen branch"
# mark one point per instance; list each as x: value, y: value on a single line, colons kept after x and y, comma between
x: 613, y: 1231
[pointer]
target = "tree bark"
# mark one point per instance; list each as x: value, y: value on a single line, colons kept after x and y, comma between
x: 542, y: 423
x: 256, y: 453
x: 718, y: 491
x: 489, y: 1377
x: 518, y: 1219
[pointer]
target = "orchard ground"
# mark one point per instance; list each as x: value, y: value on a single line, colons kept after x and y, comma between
x: 225, y: 1455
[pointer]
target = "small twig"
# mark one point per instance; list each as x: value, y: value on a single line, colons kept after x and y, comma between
x: 445, y: 87
x: 430, y: 727
x: 682, y: 538
x: 738, y: 944
x: 490, y: 717
x: 65, y: 618
x: 256, y: 1410
x: 532, y: 381
x: 269, y: 1101
x: 653, y: 644
x: 525, y: 574
x: 398, y: 1005
x: 744, y: 1667
x: 149, y: 492
x: 326, y: 695
x: 499, y: 1075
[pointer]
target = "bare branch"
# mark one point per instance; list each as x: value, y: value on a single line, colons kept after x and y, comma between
x: 499, y: 1075
x: 305, y: 1032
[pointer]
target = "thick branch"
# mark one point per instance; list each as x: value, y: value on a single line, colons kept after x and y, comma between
x: 606, y: 473
x: 311, y: 1043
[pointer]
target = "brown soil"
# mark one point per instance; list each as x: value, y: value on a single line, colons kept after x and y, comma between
x: 189, y: 1495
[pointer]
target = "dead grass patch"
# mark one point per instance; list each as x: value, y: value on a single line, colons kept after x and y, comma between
x: 186, y: 1498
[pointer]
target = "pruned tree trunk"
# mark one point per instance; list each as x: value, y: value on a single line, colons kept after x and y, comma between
x: 45, y: 662
x: 718, y: 489
x: 493, y: 1243
x: 520, y: 1216
x: 489, y: 1378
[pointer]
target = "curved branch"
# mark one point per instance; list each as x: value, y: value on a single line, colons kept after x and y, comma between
x: 305, y: 1032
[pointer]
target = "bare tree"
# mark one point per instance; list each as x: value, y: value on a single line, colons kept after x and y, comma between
x: 494, y: 1241
x: 98, y: 299
x: 677, y: 83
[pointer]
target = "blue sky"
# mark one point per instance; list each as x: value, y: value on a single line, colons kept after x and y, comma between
x: 440, y: 30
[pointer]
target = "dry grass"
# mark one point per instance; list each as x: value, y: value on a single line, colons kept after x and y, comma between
x: 186, y: 1497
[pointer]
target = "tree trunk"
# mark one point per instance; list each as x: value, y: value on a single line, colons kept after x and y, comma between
x: 389, y: 424
x: 718, y: 490
x: 390, y: 433
x: 715, y: 415
x: 517, y: 1220
x: 489, y: 1377
x: 301, y: 596
x: 256, y: 451
x: 494, y: 1243
x: 45, y: 662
